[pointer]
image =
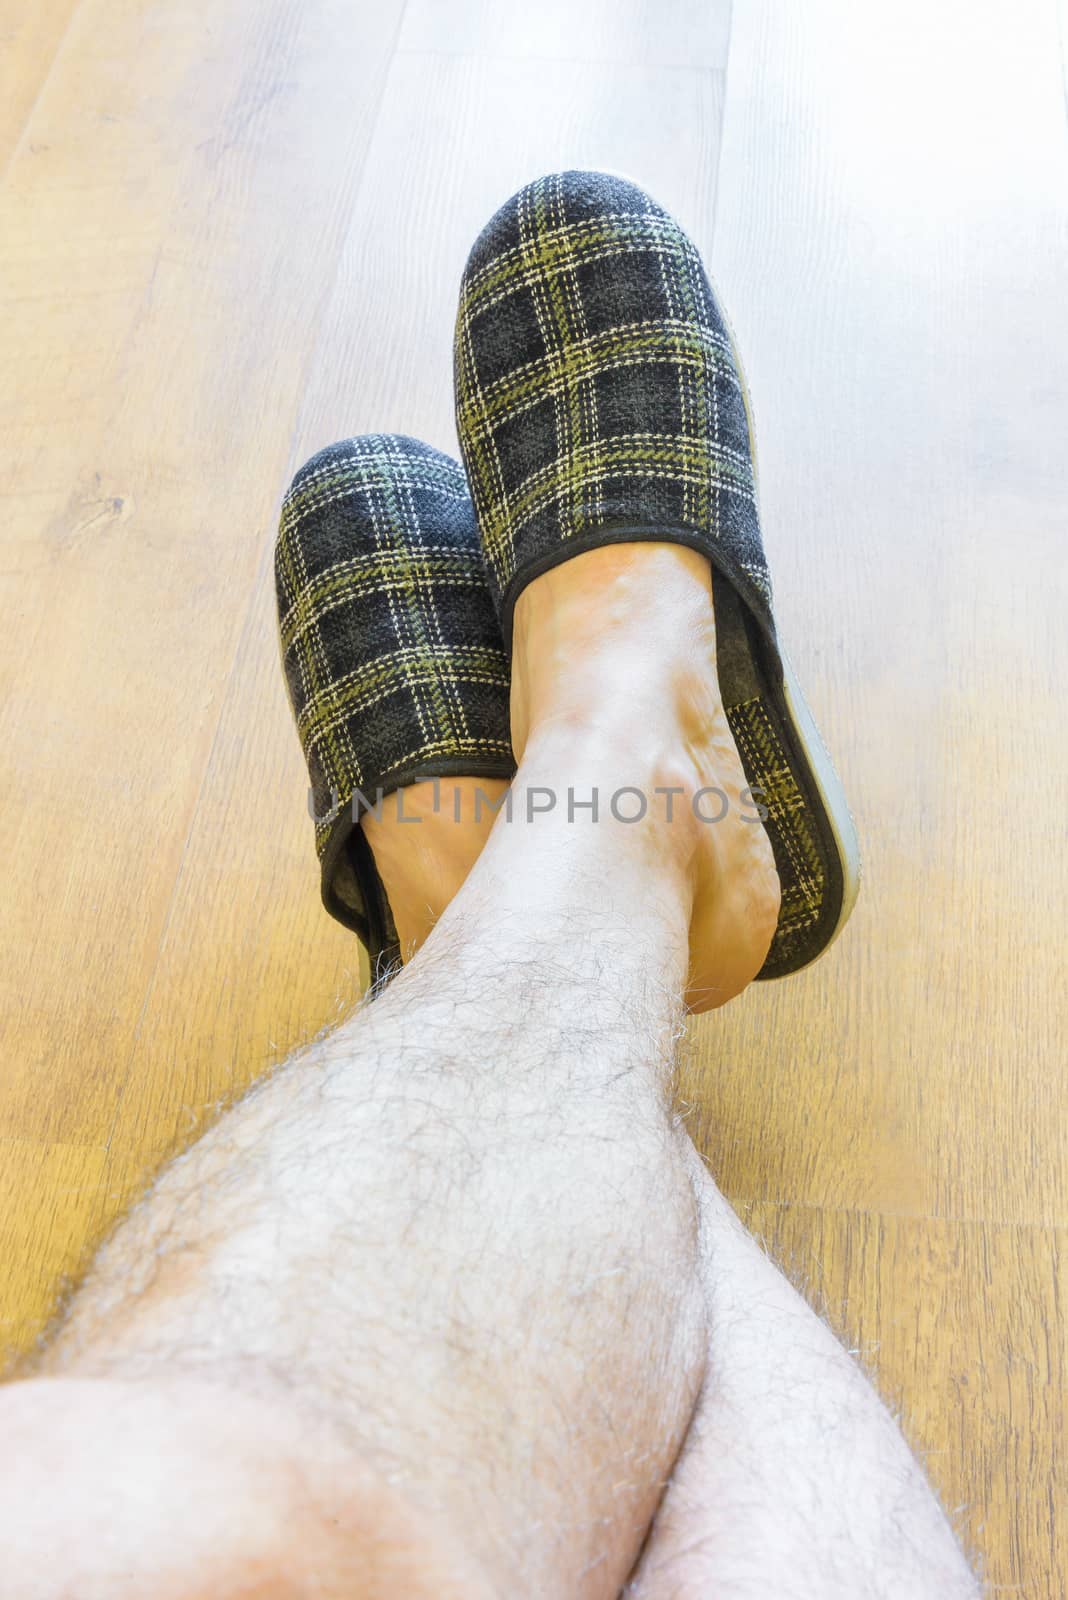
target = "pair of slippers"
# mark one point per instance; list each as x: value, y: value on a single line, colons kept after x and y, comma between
x: 599, y: 400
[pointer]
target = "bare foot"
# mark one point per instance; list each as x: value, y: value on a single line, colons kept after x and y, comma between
x: 618, y: 647
x: 425, y: 843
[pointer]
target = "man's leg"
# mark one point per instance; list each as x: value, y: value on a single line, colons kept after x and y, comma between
x: 422, y: 1313
x: 794, y: 1479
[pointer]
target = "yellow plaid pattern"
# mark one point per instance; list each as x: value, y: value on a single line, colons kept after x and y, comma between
x: 598, y: 399
x: 391, y: 649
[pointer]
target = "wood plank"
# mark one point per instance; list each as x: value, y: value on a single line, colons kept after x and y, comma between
x: 30, y: 38
x: 457, y: 136
x: 46, y: 1192
x: 656, y: 33
x: 963, y: 1326
x: 250, y: 966
x: 219, y: 203
x: 896, y: 283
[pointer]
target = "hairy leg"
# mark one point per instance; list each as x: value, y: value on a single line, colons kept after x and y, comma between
x: 421, y: 1315
x: 794, y: 1480
x: 459, y: 1234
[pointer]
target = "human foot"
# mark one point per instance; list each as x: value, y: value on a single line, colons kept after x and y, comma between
x: 600, y: 400
x: 425, y: 840
x: 615, y: 650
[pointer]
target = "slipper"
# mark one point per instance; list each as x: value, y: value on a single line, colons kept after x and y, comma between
x: 599, y: 400
x: 391, y: 650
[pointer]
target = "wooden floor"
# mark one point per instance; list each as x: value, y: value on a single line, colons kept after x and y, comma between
x: 232, y: 233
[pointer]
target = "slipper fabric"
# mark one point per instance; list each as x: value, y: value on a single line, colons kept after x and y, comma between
x: 391, y: 649
x: 599, y: 400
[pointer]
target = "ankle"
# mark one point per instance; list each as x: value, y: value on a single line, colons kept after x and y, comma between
x: 620, y: 639
x: 629, y: 790
x: 614, y: 683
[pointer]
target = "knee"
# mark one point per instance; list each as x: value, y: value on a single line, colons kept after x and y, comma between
x: 111, y: 1490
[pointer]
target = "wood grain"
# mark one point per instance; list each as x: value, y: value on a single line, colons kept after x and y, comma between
x: 47, y: 1193
x: 189, y: 851
x: 896, y: 283
x: 681, y: 33
x: 249, y: 246
x: 30, y: 39
x: 148, y: 433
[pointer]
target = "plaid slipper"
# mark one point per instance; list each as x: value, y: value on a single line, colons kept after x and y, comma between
x: 391, y: 649
x: 599, y: 399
